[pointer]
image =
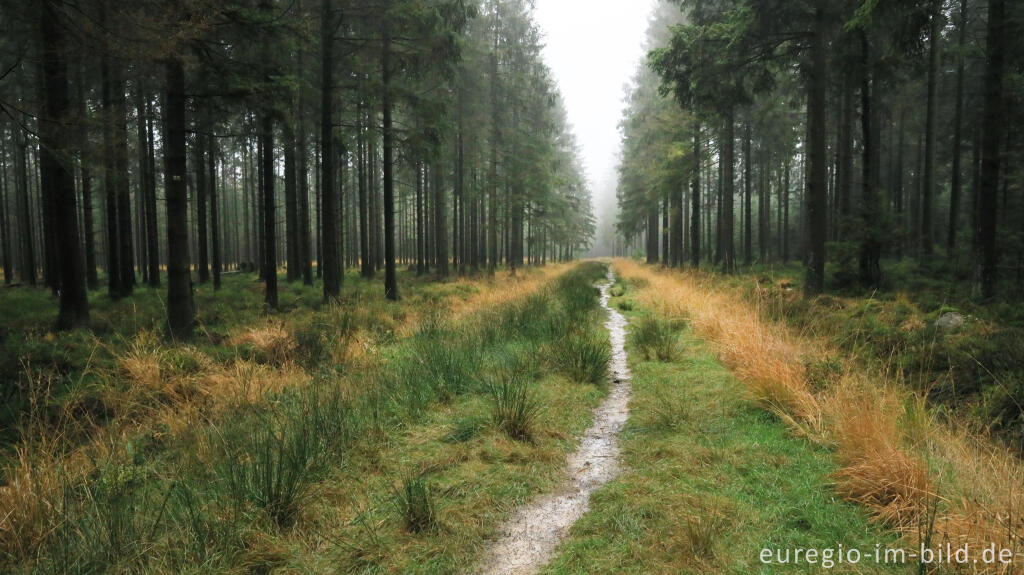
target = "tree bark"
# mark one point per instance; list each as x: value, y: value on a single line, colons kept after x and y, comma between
x: 988, y: 259
x: 390, y: 275
x: 327, y: 260
x: 928, y: 192
x: 816, y: 188
x: 695, y: 225
x: 56, y: 170
x: 180, y: 309
x: 958, y: 113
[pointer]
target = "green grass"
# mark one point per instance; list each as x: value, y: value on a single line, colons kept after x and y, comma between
x: 709, y: 479
x: 388, y: 466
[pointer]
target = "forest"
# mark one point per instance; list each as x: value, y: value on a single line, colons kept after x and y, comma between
x: 318, y: 286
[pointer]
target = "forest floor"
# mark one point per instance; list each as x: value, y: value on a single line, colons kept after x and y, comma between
x: 373, y: 437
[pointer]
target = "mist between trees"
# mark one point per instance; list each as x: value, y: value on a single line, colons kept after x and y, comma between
x: 862, y: 135
x: 178, y: 140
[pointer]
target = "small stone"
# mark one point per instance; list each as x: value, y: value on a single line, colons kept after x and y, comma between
x: 950, y: 321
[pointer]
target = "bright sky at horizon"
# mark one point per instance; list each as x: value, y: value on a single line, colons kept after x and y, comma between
x: 593, y: 48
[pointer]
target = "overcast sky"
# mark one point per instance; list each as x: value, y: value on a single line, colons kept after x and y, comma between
x: 593, y: 48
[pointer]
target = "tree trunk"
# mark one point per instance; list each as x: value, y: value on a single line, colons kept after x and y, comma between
x: 327, y: 259
x: 928, y: 192
x: 748, y: 203
x: 110, y: 186
x: 91, y: 277
x: 652, y: 232
x: 844, y: 165
x: 202, y: 233
x: 958, y: 113
x: 291, y: 215
x: 695, y: 228
x: 211, y: 156
x: 269, y: 209
x: 124, y: 204
x: 390, y: 275
x: 988, y: 259
x: 728, y: 191
x: 302, y: 167
x: 56, y: 176
x: 816, y: 188
x: 180, y: 310
x: 870, y: 252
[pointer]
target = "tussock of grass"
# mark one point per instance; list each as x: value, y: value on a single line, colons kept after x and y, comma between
x: 272, y: 342
x: 582, y: 356
x: 415, y: 504
x: 655, y: 338
x: 514, y: 407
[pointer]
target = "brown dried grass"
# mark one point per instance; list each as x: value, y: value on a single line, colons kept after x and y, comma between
x: 894, y: 459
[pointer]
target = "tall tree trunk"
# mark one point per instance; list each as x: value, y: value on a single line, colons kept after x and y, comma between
x: 928, y: 192
x: 142, y: 151
x: 988, y: 259
x: 492, y: 184
x: 202, y: 217
x: 870, y: 252
x: 57, y: 176
x: 420, y: 240
x: 85, y: 169
x: 327, y: 259
x: 124, y: 204
x: 784, y: 229
x: 110, y: 186
x: 844, y: 165
x: 440, y: 223
x: 748, y: 203
x: 652, y: 232
x: 269, y: 209
x: 816, y: 187
x: 366, y: 265
x: 215, y: 248
x: 291, y: 207
x: 390, y: 275
x: 302, y: 167
x: 728, y: 190
x: 5, y: 230
x: 958, y: 113
x: 695, y: 228
x: 180, y: 309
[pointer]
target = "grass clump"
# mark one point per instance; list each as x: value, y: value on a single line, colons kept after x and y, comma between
x: 514, y: 407
x: 415, y: 504
x: 272, y: 459
x: 583, y: 356
x: 655, y: 338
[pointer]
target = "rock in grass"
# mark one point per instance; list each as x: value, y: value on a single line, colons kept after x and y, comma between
x: 950, y: 321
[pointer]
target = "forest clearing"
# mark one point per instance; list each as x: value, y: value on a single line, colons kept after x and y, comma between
x: 511, y: 287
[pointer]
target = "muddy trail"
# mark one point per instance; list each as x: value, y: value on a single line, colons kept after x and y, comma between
x: 529, y: 538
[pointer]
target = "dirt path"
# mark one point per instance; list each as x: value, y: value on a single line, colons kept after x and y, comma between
x: 529, y: 538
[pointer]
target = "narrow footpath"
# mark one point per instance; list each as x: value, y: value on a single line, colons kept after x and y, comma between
x: 531, y: 535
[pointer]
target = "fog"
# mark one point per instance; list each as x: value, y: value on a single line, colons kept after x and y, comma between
x: 593, y: 48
